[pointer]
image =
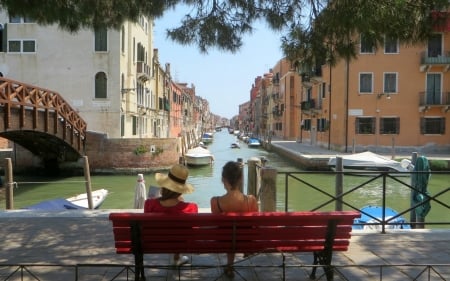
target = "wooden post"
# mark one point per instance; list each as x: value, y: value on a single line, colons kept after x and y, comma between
x: 241, y: 161
x: 268, y: 192
x: 9, y: 185
x: 87, y: 177
x: 339, y: 181
x: 252, y: 164
x: 412, y: 213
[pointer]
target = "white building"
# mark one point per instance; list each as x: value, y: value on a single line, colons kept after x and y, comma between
x: 106, y: 75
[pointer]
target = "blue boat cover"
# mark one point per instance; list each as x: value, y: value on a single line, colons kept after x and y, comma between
x: 55, y: 205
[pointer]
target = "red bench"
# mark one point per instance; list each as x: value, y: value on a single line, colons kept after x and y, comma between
x: 152, y: 233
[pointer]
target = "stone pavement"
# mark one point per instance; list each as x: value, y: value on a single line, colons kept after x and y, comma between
x: 43, y: 241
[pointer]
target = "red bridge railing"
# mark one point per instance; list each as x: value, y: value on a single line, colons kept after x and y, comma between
x: 24, y: 98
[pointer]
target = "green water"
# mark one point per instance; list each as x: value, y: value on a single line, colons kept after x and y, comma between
x: 207, y: 182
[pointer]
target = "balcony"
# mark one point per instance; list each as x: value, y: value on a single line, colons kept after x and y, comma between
x: 142, y: 71
x: 429, y: 100
x: 434, y: 58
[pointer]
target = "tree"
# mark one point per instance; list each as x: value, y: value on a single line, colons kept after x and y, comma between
x: 318, y: 29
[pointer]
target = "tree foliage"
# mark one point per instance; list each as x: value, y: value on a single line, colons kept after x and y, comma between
x: 313, y: 30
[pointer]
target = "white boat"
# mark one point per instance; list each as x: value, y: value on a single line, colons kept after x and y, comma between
x: 198, y: 156
x: 368, y: 162
x: 235, y: 145
x: 98, y: 196
x: 79, y: 201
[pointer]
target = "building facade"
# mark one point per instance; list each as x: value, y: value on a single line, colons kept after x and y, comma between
x: 391, y: 98
x: 112, y: 78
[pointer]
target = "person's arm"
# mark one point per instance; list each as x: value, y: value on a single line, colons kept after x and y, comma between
x: 213, y: 203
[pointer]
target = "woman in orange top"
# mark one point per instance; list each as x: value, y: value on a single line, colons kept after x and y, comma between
x: 233, y: 201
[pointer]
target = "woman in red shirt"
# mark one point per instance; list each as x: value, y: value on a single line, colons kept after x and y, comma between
x: 173, y: 185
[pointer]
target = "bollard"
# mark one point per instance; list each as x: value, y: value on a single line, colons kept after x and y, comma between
x: 339, y: 182
x: 252, y: 165
x: 87, y: 177
x: 9, y: 185
x: 268, y: 191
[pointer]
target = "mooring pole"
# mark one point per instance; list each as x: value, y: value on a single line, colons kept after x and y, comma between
x: 9, y: 185
x: 87, y: 177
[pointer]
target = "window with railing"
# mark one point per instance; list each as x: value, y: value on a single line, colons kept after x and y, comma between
x: 432, y: 125
x: 390, y: 125
x: 365, y: 125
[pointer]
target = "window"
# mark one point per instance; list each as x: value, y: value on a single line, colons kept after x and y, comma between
x: 322, y: 124
x: 390, y: 45
x: 432, y: 125
x: 29, y: 46
x: 365, y: 83
x: 134, y: 125
x: 390, y: 82
x: 367, y: 45
x: 365, y: 125
x: 21, y: 46
x: 390, y: 125
x: 101, y: 39
x: 15, y: 19
x: 306, y: 124
x: 14, y: 46
x: 435, y: 45
x: 123, y: 39
x: 100, y: 85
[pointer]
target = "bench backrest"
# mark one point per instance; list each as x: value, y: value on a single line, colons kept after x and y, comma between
x: 232, y: 232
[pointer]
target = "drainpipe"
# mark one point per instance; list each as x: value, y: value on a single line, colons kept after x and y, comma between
x: 329, y: 110
x: 346, y: 101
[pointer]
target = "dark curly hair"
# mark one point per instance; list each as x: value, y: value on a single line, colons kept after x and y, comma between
x: 232, y: 173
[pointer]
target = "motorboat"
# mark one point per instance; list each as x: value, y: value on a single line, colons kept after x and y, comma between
x: 253, y: 142
x: 368, y: 162
x: 207, y: 138
x: 372, y: 216
x: 198, y: 156
x: 235, y: 145
x: 76, y: 202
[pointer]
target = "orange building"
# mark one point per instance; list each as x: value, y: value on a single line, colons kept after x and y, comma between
x: 390, y: 98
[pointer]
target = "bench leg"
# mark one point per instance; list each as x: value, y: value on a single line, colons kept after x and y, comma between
x: 322, y: 258
x: 139, y: 274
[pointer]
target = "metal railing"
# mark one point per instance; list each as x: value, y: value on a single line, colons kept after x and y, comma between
x: 115, y: 272
x: 339, y: 198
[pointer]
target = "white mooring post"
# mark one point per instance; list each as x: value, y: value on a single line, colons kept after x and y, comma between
x: 9, y: 185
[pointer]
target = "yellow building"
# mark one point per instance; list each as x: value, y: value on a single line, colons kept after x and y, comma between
x: 391, y: 98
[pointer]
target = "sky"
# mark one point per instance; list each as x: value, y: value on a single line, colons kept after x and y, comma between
x: 222, y: 78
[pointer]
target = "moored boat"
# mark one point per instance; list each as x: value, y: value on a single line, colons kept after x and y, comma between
x: 253, y: 142
x: 368, y: 162
x: 79, y: 201
x: 198, y: 156
x: 372, y: 216
x: 207, y: 138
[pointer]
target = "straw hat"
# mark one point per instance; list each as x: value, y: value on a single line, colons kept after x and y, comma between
x: 175, y: 180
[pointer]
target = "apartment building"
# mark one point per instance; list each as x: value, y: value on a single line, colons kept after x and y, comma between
x: 391, y: 98
x: 111, y: 77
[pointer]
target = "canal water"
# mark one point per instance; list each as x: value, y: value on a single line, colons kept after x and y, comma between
x: 306, y: 190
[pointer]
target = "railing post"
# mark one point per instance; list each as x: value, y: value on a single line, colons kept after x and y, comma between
x: 9, y: 185
x: 252, y: 164
x: 412, y: 213
x: 268, y: 192
x: 339, y: 182
x: 87, y: 177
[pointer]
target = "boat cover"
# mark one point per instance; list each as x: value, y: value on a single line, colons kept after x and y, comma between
x: 55, y: 205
